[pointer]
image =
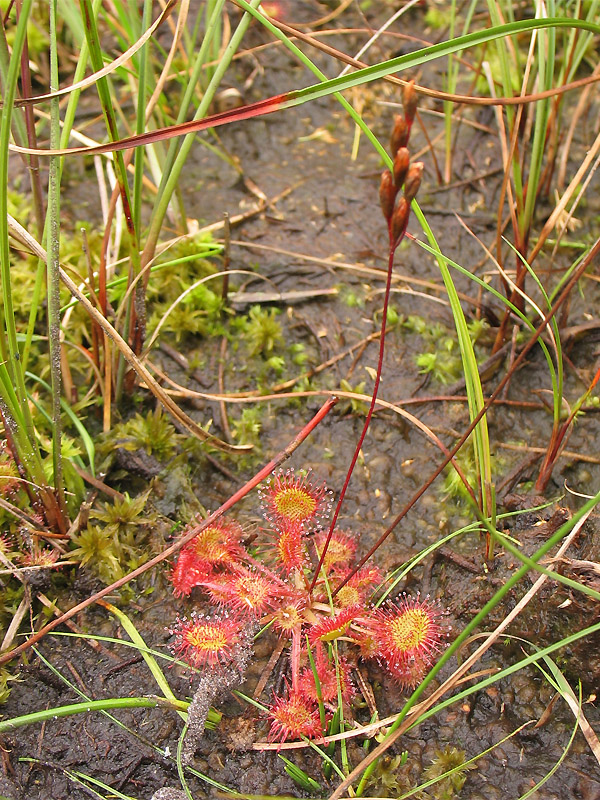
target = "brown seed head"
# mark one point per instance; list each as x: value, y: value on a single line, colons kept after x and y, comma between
x: 400, y: 134
x: 401, y: 162
x: 387, y: 194
x: 400, y: 220
x: 413, y: 180
x: 409, y: 101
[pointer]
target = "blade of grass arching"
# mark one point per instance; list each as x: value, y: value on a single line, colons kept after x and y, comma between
x: 135, y: 317
x: 151, y: 662
x: 315, y: 91
x: 52, y: 265
x: 71, y: 709
x: 481, y: 442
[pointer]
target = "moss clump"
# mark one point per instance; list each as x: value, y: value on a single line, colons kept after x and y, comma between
x: 153, y: 433
x: 263, y: 331
x: 449, y: 760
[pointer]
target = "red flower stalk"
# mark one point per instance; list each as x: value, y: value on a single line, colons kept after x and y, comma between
x: 290, y: 499
x: 293, y: 717
x: 206, y: 641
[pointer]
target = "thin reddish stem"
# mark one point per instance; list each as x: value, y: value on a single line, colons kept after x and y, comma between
x: 388, y: 285
x: 593, y: 255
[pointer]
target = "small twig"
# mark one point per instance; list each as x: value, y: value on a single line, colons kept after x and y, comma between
x: 273, y: 659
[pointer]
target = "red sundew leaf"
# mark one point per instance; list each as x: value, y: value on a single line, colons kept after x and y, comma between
x: 287, y: 499
x: 246, y: 592
x: 293, y: 717
x: 330, y: 628
x: 407, y: 636
x: 206, y: 641
x: 290, y: 546
x: 188, y: 572
x: 216, y: 547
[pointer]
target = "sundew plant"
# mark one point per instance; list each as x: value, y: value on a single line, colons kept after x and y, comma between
x: 85, y: 393
x: 271, y: 587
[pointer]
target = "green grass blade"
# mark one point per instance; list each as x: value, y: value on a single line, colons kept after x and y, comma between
x: 151, y: 662
x: 87, y: 440
x: 53, y: 263
x: 7, y: 725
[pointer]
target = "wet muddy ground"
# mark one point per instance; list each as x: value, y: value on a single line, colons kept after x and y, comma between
x: 327, y: 233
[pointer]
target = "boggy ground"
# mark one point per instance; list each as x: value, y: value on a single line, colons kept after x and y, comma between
x: 331, y: 214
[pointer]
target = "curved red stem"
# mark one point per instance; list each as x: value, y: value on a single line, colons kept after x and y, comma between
x: 392, y: 250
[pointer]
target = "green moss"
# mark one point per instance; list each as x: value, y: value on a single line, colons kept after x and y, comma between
x: 246, y: 428
x: 390, y: 777
x: 97, y: 548
x: 153, y: 433
x: 441, y: 358
x: 450, y: 758
x: 117, y: 544
x: 263, y: 332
